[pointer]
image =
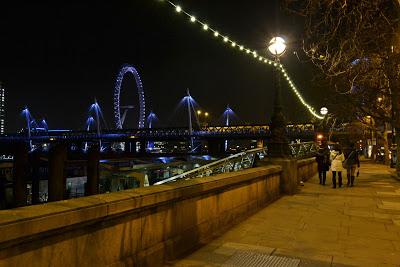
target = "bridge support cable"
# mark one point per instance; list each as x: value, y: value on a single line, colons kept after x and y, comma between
x: 236, y: 45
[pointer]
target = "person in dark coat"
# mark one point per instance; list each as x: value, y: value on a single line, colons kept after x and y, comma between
x: 322, y: 159
x: 351, y: 163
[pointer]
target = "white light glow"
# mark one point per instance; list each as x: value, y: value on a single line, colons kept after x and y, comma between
x: 323, y: 111
x: 277, y: 46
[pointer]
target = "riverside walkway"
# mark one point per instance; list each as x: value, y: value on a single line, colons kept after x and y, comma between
x: 318, y: 226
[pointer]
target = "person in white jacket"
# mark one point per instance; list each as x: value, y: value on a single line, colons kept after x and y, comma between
x: 337, y: 158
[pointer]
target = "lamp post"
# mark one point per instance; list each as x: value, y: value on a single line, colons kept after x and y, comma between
x: 324, y: 129
x: 278, y: 145
x: 205, y: 114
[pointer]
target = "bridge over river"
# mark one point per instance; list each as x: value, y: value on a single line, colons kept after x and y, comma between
x: 294, y: 131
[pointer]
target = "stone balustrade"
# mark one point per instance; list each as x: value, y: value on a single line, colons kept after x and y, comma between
x: 138, y: 227
x: 306, y: 168
x: 144, y: 226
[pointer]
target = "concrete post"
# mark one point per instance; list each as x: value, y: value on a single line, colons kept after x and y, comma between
x: 216, y: 147
x: 35, y: 163
x: 80, y: 145
x: 288, y: 181
x: 93, y: 172
x: 130, y: 147
x: 143, y: 147
x: 57, y: 179
x: 20, y: 172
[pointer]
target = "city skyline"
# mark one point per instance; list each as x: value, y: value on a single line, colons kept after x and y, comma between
x: 58, y: 69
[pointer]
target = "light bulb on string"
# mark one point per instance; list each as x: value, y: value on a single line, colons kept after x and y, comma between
x: 280, y: 67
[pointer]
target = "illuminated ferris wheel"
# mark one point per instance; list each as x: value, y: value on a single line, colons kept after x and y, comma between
x: 118, y: 118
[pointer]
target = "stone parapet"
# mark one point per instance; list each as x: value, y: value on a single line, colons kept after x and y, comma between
x: 138, y: 227
x: 306, y: 168
x: 293, y: 171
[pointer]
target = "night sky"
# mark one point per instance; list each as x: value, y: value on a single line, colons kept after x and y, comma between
x: 57, y: 57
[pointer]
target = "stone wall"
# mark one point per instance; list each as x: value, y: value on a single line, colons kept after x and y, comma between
x: 138, y: 227
x: 293, y: 171
x: 306, y: 168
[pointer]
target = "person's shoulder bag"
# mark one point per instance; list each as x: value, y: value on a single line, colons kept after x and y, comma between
x: 345, y: 163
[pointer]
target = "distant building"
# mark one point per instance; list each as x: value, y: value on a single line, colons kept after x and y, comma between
x: 2, y: 109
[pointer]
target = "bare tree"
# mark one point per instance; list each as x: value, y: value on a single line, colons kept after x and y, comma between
x: 355, y: 44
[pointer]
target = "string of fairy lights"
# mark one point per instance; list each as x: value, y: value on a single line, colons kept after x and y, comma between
x: 242, y: 48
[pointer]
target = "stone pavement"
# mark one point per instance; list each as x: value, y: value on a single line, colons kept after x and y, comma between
x: 318, y: 226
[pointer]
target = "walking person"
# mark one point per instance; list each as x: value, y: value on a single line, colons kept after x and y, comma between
x: 351, y: 163
x: 337, y: 158
x: 322, y: 159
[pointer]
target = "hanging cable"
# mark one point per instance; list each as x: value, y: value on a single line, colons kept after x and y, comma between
x: 242, y: 48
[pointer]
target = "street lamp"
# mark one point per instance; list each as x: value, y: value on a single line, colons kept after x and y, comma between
x: 278, y: 145
x: 323, y: 111
x: 277, y: 46
x: 324, y: 124
x: 201, y: 113
x: 205, y: 119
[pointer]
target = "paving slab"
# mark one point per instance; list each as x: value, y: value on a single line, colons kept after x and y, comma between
x: 319, y: 226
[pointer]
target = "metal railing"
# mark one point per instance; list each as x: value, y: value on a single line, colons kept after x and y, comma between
x: 302, y: 150
x: 241, y: 161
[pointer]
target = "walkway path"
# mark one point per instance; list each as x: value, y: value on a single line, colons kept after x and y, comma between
x: 319, y: 226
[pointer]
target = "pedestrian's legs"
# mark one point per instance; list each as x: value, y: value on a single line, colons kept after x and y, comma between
x: 348, y: 172
x: 340, y: 178
x: 320, y: 176
x: 323, y: 177
x: 334, y: 179
x: 353, y: 170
